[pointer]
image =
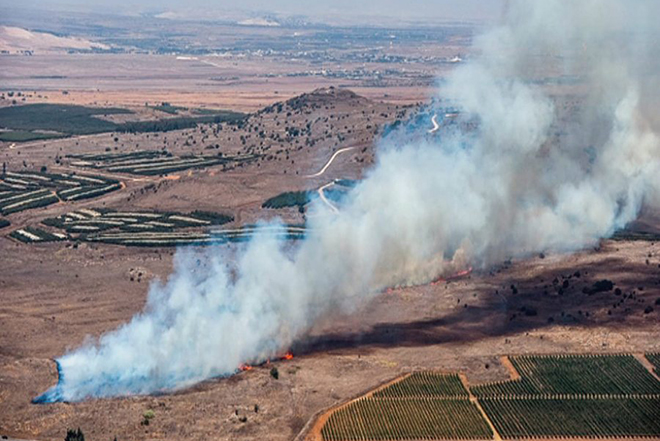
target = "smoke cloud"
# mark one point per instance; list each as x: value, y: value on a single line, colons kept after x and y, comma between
x: 521, y: 173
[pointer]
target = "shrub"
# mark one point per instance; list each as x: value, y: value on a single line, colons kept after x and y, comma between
x: 275, y: 373
x: 74, y: 435
x: 147, y: 416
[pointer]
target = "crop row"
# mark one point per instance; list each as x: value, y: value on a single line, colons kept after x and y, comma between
x: 553, y: 375
x: 153, y: 162
x: 20, y: 201
x: 551, y: 418
x: 406, y: 419
x: 426, y: 384
x: 24, y: 190
x: 654, y: 358
x: 135, y: 237
x: 33, y: 235
x: 98, y: 220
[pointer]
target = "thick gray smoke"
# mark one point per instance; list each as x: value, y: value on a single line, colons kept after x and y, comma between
x: 529, y: 174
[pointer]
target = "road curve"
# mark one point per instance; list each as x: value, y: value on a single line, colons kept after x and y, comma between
x: 436, y: 126
x: 325, y: 167
x: 325, y: 200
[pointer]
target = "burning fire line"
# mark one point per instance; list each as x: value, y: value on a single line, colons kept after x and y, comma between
x: 289, y: 355
x: 247, y: 367
x: 458, y: 275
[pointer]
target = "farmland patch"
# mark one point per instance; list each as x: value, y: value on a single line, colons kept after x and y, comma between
x: 154, y: 162
x: 30, y: 189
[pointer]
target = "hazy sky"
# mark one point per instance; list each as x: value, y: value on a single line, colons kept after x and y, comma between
x: 350, y: 9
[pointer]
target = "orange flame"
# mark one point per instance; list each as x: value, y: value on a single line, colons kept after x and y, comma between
x: 245, y: 367
x: 288, y: 356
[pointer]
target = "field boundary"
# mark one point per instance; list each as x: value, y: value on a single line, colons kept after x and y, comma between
x: 647, y: 364
x: 475, y: 401
x: 312, y: 430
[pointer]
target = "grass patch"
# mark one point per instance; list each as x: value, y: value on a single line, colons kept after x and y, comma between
x: 62, y: 118
x: 67, y: 119
x: 289, y: 199
x: 24, y: 136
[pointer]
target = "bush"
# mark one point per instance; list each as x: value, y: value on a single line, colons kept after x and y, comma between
x: 600, y: 286
x: 147, y: 416
x: 275, y: 373
x: 74, y: 435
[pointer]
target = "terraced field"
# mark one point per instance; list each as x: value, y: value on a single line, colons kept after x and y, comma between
x: 424, y: 405
x: 169, y: 239
x: 161, y: 229
x: 32, y: 235
x: 30, y: 189
x: 154, y: 162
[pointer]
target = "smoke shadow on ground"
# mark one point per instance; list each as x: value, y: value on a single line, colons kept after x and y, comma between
x: 563, y: 295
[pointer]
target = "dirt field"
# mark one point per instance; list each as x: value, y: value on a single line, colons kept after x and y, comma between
x: 55, y: 296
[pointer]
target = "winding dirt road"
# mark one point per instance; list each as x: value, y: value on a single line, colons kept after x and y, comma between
x: 325, y: 200
x: 325, y: 167
x: 436, y: 126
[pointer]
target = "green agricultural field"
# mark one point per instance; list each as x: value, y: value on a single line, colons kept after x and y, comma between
x: 23, y: 190
x: 574, y: 417
x: 561, y: 396
x: 424, y: 405
x: 574, y: 396
x: 406, y: 419
x: 27, y: 121
x: 574, y: 374
x: 24, y: 136
x: 153, y: 162
x: 426, y: 384
x: 62, y: 118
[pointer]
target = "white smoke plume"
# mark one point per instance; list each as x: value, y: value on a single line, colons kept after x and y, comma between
x: 526, y: 175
